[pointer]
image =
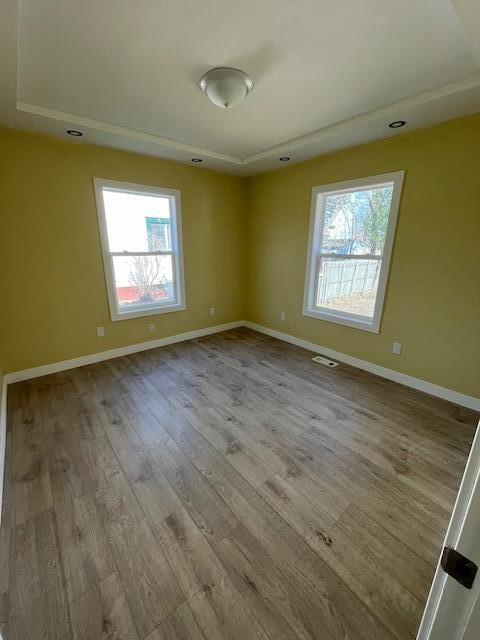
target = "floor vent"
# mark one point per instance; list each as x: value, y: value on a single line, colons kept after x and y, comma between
x: 325, y: 361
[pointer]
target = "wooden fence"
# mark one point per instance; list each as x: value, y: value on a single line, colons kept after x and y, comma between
x: 340, y: 278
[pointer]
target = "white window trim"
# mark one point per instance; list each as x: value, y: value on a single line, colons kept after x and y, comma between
x: 316, y: 223
x: 177, y: 247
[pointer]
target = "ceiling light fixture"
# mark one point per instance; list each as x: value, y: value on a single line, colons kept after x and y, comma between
x: 397, y: 124
x: 284, y: 158
x: 73, y: 132
x: 196, y: 160
x: 226, y: 87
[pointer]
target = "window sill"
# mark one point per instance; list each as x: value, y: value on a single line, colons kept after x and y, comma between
x: 150, y: 311
x: 347, y: 319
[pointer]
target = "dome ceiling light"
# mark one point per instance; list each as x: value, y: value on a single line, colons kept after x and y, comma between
x: 226, y: 87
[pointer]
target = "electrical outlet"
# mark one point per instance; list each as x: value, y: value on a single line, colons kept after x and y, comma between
x: 397, y: 348
x: 282, y: 315
x: 211, y: 311
x: 151, y: 327
x: 100, y: 332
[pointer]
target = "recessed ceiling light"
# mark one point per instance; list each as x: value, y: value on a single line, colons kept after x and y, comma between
x: 284, y: 158
x: 196, y: 160
x: 76, y: 134
x: 397, y: 124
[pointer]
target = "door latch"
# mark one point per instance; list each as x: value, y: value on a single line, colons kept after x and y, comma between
x: 459, y: 567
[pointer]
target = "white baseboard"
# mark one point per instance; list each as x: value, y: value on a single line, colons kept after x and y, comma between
x: 409, y: 381
x: 3, y: 439
x: 390, y: 374
x: 54, y: 367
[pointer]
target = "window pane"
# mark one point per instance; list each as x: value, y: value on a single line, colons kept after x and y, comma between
x: 143, y: 281
x: 356, y: 222
x: 137, y: 222
x: 348, y: 285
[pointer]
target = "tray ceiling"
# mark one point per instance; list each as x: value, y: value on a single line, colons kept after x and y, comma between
x: 327, y: 74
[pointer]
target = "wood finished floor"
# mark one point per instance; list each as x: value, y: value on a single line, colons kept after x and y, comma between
x: 224, y: 488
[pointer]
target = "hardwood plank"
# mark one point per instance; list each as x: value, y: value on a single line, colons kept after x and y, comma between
x: 311, y: 599
x: 85, y: 552
x: 6, y: 512
x: 322, y: 490
x: 103, y: 612
x: 254, y: 583
x: 208, y: 422
x: 274, y: 544
x: 180, y: 625
x: 38, y: 599
x: 289, y: 601
x: 211, y: 514
x: 67, y: 471
x: 398, y: 456
x: 222, y: 614
x: 113, y: 494
x: 87, y: 426
x: 193, y: 562
x: 31, y: 481
x: 5, y: 528
x: 407, y: 407
x: 376, y: 587
x: 408, y: 568
x: 148, y: 425
x: 225, y: 487
x: 272, y: 443
x: 150, y: 586
x: 4, y: 607
x: 197, y: 448
x: 407, y: 514
x: 304, y: 517
x: 154, y: 493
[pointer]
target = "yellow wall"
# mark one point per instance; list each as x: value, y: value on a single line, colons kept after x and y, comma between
x: 432, y: 304
x: 52, y: 287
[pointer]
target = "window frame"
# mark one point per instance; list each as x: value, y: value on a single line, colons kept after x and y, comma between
x: 176, y: 251
x: 314, y: 253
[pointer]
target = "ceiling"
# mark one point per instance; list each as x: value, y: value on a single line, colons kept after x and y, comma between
x: 327, y: 74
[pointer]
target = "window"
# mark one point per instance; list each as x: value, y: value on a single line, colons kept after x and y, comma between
x: 351, y: 235
x: 141, y: 234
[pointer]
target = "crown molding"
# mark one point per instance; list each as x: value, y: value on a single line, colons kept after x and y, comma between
x: 288, y: 146
x: 381, y: 113
x: 107, y: 127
